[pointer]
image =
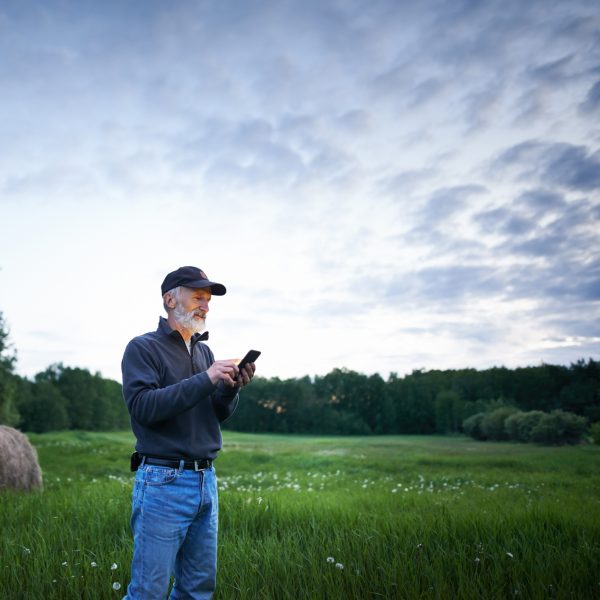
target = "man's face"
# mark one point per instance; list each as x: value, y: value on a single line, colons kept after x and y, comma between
x: 192, y: 308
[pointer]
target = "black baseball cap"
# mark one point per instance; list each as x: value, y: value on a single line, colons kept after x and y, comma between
x: 191, y: 277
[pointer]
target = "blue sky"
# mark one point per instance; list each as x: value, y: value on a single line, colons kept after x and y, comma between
x: 382, y: 186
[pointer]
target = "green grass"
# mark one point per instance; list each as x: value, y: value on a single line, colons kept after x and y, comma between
x: 407, y: 517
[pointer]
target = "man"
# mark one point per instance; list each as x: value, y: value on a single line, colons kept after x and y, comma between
x: 177, y: 394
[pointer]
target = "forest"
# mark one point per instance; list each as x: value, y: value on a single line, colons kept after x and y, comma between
x: 341, y: 402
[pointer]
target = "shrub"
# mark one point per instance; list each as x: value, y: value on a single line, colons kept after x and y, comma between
x: 519, y: 425
x: 492, y: 424
x: 559, y: 427
x: 595, y: 431
x: 472, y: 426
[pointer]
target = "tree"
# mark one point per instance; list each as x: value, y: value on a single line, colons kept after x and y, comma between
x: 9, y: 415
x: 43, y: 408
x: 413, y: 402
x: 448, y: 412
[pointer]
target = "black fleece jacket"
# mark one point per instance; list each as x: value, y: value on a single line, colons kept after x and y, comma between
x: 175, y: 409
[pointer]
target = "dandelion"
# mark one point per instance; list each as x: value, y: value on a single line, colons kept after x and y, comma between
x: 116, y: 586
x: 64, y: 564
x: 339, y: 566
x: 419, y: 546
x: 93, y: 564
x: 330, y: 559
x: 509, y: 554
x: 113, y: 567
x: 477, y: 560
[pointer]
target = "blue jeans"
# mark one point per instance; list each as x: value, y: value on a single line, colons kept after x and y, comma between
x: 174, y: 519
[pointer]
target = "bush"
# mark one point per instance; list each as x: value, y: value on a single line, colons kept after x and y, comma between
x: 472, y: 426
x: 493, y: 426
x: 559, y: 427
x: 595, y: 431
x: 520, y: 424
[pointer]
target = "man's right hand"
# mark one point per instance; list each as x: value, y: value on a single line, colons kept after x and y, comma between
x: 223, y: 370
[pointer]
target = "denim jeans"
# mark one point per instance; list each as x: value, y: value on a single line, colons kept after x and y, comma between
x: 174, y: 519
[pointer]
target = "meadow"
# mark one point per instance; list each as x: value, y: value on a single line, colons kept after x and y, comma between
x: 326, y: 517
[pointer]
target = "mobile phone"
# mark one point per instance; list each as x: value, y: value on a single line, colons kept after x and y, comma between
x: 251, y: 356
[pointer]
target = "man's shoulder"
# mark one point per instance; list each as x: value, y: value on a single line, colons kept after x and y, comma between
x: 147, y: 340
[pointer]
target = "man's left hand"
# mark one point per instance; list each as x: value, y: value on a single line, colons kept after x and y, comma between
x: 245, y: 375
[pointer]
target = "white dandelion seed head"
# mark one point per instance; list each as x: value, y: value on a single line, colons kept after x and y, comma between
x: 94, y: 564
x: 339, y: 566
x: 113, y: 567
x: 64, y: 564
x: 116, y: 586
x: 509, y: 554
x: 330, y: 559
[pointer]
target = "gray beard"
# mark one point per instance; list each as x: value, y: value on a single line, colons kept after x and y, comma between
x: 186, y: 320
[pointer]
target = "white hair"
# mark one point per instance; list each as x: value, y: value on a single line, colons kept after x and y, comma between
x: 175, y: 292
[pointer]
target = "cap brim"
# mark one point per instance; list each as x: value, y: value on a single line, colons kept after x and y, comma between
x: 216, y: 289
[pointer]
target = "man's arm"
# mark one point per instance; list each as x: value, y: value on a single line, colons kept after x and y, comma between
x: 147, y: 402
x: 226, y: 397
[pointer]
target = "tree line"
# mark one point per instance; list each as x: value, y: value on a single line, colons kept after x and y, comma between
x: 341, y: 402
x: 58, y: 398
x: 423, y: 402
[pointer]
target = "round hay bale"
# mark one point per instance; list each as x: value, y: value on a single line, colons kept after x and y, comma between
x: 19, y: 467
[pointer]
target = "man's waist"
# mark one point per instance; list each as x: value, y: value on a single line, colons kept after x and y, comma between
x: 194, y: 464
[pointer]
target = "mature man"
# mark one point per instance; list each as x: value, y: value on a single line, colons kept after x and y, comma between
x: 177, y: 394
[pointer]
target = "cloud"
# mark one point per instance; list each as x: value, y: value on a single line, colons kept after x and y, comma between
x: 591, y: 103
x: 569, y: 166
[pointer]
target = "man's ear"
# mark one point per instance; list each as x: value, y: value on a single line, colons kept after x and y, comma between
x: 170, y: 301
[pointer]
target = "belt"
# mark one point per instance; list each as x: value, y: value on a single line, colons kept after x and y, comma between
x: 194, y: 465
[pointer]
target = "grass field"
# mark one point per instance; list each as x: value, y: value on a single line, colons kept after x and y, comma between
x: 326, y: 517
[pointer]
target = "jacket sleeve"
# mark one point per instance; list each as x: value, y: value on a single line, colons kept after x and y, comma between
x: 224, y: 399
x: 146, y: 401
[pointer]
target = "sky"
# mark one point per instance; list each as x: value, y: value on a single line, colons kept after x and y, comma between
x: 382, y: 186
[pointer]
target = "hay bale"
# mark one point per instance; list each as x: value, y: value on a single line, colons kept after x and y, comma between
x: 19, y: 467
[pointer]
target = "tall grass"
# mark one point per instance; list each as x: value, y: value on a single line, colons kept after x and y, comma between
x: 334, y: 518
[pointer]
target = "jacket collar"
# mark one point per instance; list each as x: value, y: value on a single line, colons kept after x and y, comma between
x: 165, y: 329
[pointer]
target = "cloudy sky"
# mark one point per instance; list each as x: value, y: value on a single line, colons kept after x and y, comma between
x: 382, y: 186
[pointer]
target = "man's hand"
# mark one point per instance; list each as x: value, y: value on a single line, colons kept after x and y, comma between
x: 245, y: 375
x: 225, y: 371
